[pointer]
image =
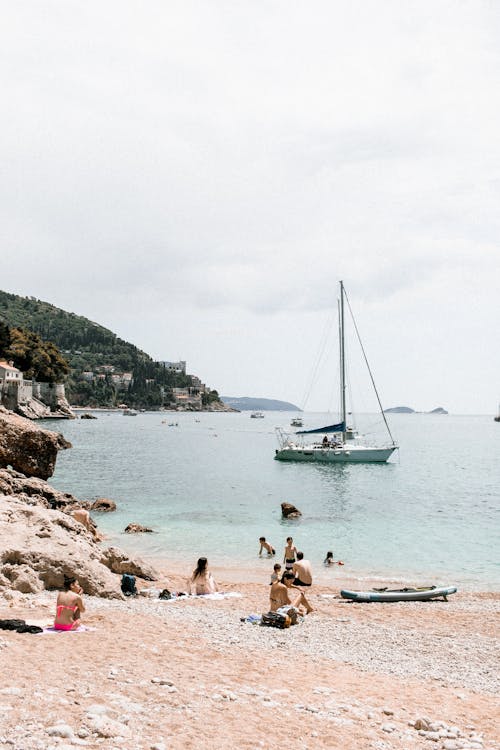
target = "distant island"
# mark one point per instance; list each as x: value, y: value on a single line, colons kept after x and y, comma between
x: 408, y: 410
x: 245, y: 403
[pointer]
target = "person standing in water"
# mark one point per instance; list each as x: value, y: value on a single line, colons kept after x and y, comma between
x: 290, y: 553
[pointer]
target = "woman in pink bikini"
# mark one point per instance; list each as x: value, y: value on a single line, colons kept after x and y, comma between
x: 69, y: 605
x: 202, y: 582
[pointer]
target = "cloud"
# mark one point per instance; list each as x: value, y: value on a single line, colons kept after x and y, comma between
x: 237, y: 159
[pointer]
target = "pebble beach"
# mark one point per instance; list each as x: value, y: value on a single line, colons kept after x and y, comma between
x: 193, y: 672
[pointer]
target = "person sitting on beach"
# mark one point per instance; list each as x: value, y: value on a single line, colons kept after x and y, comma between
x: 69, y: 605
x: 290, y: 553
x: 302, y: 571
x: 282, y: 596
x: 202, y: 581
x: 275, y: 575
x: 268, y: 547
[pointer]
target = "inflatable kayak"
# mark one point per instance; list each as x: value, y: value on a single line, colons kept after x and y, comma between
x: 400, y: 595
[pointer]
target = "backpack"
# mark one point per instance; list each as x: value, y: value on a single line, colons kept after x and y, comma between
x: 128, y: 585
x: 275, y: 620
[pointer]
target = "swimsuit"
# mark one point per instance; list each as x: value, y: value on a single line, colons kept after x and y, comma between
x: 64, y: 625
x: 289, y: 563
x: 298, y: 582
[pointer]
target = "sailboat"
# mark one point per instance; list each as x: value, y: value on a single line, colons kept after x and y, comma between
x: 344, y: 446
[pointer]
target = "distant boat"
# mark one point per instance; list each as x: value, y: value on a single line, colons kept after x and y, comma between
x: 497, y: 418
x: 257, y: 415
x: 130, y: 413
x: 296, y: 422
x: 344, y: 445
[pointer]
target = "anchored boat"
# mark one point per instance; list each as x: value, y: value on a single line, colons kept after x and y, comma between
x: 344, y: 445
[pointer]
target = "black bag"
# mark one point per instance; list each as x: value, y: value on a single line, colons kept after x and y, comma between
x: 11, y: 624
x: 165, y: 594
x: 275, y: 620
x: 128, y: 585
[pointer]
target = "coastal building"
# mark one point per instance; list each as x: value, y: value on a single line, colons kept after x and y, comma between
x: 179, y: 367
x: 29, y: 397
x: 9, y: 373
x: 187, y: 397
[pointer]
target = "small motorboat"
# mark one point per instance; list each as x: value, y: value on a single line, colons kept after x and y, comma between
x: 400, y: 595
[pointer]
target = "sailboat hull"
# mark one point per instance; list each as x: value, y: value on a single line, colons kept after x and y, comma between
x: 347, y: 454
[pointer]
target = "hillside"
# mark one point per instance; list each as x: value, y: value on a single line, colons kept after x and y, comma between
x: 104, y: 369
x: 245, y: 403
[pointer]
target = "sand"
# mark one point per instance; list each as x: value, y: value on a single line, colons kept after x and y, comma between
x: 191, y: 674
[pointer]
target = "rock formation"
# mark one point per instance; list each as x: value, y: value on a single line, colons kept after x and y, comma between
x: 27, y: 447
x: 289, y: 511
x: 136, y: 528
x: 40, y: 541
x: 103, y: 505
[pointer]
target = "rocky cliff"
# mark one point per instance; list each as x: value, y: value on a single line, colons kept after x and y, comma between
x: 40, y: 541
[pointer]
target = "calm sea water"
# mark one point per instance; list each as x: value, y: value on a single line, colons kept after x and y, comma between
x: 210, y: 486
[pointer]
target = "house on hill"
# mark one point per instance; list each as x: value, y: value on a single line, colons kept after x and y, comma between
x: 30, y: 398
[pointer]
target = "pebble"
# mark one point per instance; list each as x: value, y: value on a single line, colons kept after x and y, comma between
x: 388, y: 711
x: 11, y: 691
x: 389, y: 728
x: 158, y: 746
x: 162, y: 681
x: 106, y: 727
x: 60, y: 730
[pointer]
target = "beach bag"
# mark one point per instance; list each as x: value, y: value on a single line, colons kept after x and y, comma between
x: 128, y: 585
x: 275, y: 620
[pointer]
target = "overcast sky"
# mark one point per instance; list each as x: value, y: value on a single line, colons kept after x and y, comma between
x: 198, y: 176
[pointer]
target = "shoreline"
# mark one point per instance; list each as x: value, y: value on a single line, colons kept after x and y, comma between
x: 188, y: 673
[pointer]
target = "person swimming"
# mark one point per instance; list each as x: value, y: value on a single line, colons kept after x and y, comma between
x: 330, y: 561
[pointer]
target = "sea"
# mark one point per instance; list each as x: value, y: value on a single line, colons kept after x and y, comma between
x: 208, y: 484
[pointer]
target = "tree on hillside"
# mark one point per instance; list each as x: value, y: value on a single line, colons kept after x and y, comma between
x: 36, y: 358
x: 5, y: 339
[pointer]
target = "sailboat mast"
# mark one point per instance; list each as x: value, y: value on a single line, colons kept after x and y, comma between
x: 342, y: 357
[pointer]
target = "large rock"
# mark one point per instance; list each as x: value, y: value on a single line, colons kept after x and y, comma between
x: 39, y: 547
x: 119, y: 562
x: 27, y: 447
x: 289, y: 511
x: 41, y: 542
x: 103, y: 505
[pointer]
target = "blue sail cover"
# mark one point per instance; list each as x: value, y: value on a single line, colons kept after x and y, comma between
x: 340, y: 427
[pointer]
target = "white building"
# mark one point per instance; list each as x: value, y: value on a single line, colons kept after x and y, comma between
x: 9, y: 373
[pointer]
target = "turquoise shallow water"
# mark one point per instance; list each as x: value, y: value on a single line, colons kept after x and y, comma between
x: 211, y: 487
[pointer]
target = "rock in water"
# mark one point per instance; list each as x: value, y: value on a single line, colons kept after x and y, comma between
x: 27, y: 447
x: 103, y: 505
x: 136, y: 528
x: 289, y: 511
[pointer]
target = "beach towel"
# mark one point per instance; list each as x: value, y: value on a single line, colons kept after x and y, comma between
x: 79, y: 629
x: 215, y: 597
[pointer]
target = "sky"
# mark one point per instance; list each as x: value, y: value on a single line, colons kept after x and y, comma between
x: 198, y: 177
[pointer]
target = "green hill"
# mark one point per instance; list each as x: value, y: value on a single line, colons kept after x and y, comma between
x: 97, y: 357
